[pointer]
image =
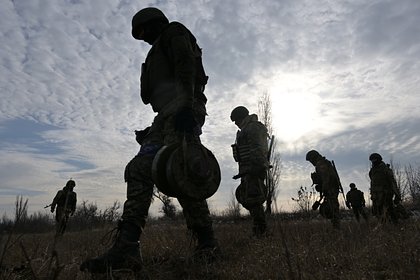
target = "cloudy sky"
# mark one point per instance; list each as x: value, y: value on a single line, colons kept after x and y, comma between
x: 343, y: 77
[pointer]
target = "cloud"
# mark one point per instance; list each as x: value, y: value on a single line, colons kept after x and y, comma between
x: 343, y: 77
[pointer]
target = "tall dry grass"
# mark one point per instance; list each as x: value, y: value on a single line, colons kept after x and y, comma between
x: 292, y: 250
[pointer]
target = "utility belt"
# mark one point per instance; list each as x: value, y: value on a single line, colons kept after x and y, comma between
x: 241, y: 153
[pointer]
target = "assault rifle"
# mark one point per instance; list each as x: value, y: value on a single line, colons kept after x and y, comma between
x: 48, y: 206
x: 339, y: 182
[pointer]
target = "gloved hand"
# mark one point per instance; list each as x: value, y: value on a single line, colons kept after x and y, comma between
x: 52, y: 209
x: 141, y: 134
x: 348, y: 205
x: 184, y: 120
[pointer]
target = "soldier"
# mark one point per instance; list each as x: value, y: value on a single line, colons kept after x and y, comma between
x: 250, y: 151
x: 172, y: 82
x: 65, y: 200
x: 383, y: 189
x: 327, y: 183
x: 356, y: 200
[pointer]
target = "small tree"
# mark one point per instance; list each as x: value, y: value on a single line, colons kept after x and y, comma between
x: 273, y: 174
x: 168, y: 208
x: 412, y: 175
x: 305, y: 199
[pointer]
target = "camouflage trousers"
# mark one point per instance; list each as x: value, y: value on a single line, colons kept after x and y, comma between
x: 357, y: 211
x: 251, y: 194
x: 138, y: 174
x: 383, y: 207
x: 331, y: 201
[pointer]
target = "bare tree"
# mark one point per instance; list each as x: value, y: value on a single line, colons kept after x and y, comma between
x: 168, y: 208
x: 306, y: 197
x: 412, y: 175
x: 400, y: 179
x: 273, y: 174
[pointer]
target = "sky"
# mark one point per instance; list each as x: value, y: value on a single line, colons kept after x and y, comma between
x: 343, y: 77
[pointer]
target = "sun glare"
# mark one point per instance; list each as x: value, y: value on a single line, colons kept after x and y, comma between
x: 294, y: 105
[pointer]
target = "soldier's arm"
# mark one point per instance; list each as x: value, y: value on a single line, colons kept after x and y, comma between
x: 324, y: 172
x: 184, y: 65
x: 257, y: 139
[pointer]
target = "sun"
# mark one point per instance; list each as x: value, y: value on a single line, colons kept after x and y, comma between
x: 295, y: 105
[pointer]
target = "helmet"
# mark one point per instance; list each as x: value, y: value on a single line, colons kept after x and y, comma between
x: 352, y: 185
x: 239, y: 113
x: 312, y: 155
x: 146, y: 15
x: 70, y: 183
x: 375, y: 156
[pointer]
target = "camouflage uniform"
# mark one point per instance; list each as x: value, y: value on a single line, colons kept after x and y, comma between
x: 170, y: 64
x: 383, y: 187
x: 65, y: 200
x: 172, y: 82
x: 356, y: 201
x: 252, y: 150
x: 327, y: 183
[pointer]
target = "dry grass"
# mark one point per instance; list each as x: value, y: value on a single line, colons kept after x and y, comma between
x: 306, y: 250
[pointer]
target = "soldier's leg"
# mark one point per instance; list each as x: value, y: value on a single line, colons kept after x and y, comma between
x: 197, y: 216
x: 334, y: 206
x: 139, y: 190
x: 356, y: 212
x: 125, y: 252
x: 259, y: 222
x: 390, y: 209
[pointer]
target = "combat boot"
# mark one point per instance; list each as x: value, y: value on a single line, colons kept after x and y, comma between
x: 125, y: 253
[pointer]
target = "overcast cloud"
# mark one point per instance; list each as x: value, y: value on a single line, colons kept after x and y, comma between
x: 343, y: 77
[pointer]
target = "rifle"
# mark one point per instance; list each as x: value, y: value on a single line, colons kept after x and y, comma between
x: 48, y: 206
x: 339, y: 182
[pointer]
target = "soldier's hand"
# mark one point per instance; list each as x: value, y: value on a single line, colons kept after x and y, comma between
x: 184, y: 120
x: 397, y: 199
x: 52, y: 210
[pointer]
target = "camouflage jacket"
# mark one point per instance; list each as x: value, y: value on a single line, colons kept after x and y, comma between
x: 382, y: 179
x: 355, y: 198
x: 60, y: 199
x: 173, y: 70
x: 252, y: 143
x: 327, y: 176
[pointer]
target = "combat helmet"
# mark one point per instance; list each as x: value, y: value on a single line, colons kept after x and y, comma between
x: 143, y: 16
x: 71, y: 183
x: 375, y: 156
x: 239, y: 113
x: 312, y: 155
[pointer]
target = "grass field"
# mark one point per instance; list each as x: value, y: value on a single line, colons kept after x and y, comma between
x: 293, y: 250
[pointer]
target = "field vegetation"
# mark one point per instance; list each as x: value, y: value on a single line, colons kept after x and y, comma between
x: 299, y: 246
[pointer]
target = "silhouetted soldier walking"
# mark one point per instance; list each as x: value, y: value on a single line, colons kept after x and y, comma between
x: 250, y: 151
x: 355, y: 200
x: 172, y: 82
x: 327, y: 183
x: 65, y: 200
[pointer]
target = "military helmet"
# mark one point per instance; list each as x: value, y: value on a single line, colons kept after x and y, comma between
x: 143, y: 16
x: 71, y: 183
x: 375, y: 156
x: 312, y: 155
x: 352, y: 185
x: 239, y: 113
